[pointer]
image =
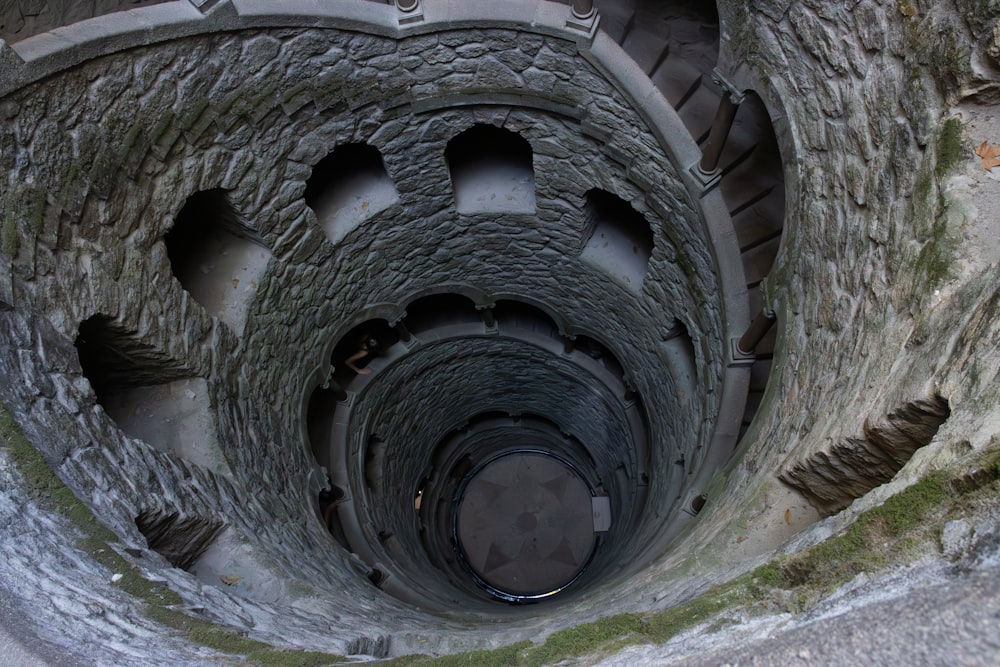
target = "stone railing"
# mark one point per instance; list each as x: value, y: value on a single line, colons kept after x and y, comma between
x: 34, y: 58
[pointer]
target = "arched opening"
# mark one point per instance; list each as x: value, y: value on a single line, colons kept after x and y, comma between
x: 348, y: 187
x: 216, y: 256
x: 753, y: 187
x: 150, y: 396
x: 491, y: 171
x: 372, y: 337
x: 516, y: 314
x: 620, y: 241
x: 440, y: 310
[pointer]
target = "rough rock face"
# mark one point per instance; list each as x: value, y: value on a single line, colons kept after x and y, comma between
x: 23, y: 18
x: 876, y: 283
x: 832, y: 479
x: 885, y: 286
x: 106, y: 155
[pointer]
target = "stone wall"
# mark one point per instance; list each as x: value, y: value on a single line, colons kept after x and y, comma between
x: 886, y: 297
x: 23, y: 18
x: 106, y: 155
x: 881, y: 274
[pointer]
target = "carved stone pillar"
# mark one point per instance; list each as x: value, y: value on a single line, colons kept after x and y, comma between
x: 583, y: 9
x: 723, y: 123
x: 583, y: 17
x: 403, y: 333
x: 756, y: 331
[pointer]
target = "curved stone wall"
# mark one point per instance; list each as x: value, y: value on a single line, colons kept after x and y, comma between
x: 22, y: 19
x: 242, y: 117
x: 119, y: 130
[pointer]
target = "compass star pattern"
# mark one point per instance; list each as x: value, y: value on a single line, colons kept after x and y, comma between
x: 525, y: 524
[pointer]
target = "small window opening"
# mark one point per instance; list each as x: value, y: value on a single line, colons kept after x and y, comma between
x: 216, y: 257
x: 418, y: 498
x: 440, y: 310
x: 491, y: 171
x: 150, y: 396
x: 377, y: 577
x: 348, y: 187
x: 698, y: 503
x: 179, y: 538
x: 620, y: 242
x: 328, y: 500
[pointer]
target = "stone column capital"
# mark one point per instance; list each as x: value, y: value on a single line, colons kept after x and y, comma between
x: 736, y: 95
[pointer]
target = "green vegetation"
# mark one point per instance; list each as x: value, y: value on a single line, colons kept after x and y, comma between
x: 890, y: 534
x: 45, y: 487
x: 26, y: 205
x: 934, y: 260
x: 949, y: 147
x: 256, y: 653
x: 606, y: 635
x: 10, y: 239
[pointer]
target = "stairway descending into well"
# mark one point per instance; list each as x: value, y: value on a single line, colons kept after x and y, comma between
x: 677, y: 44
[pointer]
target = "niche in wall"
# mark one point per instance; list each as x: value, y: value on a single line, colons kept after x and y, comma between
x: 620, y: 241
x: 834, y: 477
x: 179, y: 538
x: 233, y: 562
x: 347, y: 187
x: 149, y: 396
x: 439, y: 311
x: 320, y: 412
x: 491, y: 171
x: 216, y: 257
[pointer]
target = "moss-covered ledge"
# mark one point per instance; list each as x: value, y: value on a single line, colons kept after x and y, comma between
x: 159, y: 603
x: 906, y: 527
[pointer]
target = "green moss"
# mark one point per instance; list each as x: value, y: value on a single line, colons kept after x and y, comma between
x: 883, y: 535
x: 45, y: 487
x: 892, y: 533
x: 949, y: 147
x: 10, y: 238
x: 687, y: 266
x: 770, y: 574
x: 879, y: 537
x: 908, y: 508
x: 667, y: 624
x: 24, y: 208
x: 583, y: 639
x: 607, y: 635
x: 505, y: 656
x: 934, y: 261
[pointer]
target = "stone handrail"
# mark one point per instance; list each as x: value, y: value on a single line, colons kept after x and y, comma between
x: 40, y: 56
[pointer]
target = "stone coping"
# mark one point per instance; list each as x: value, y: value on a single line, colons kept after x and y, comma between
x: 43, y: 55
